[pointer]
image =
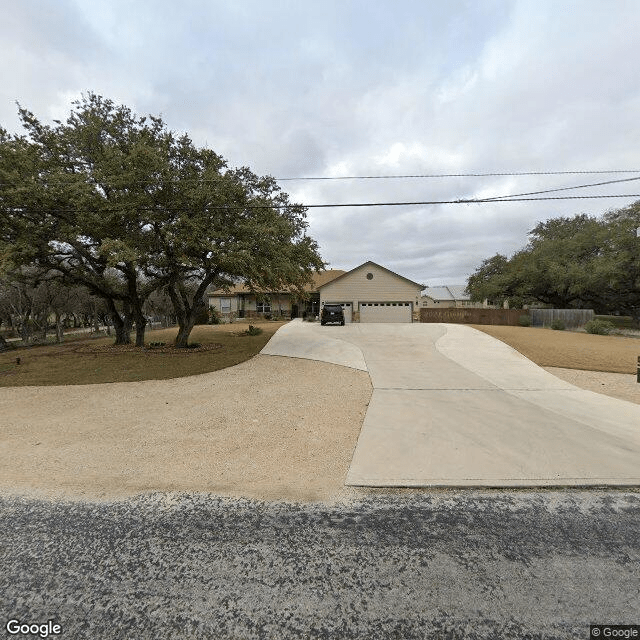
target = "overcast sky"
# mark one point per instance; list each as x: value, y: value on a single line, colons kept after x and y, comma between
x: 323, y: 88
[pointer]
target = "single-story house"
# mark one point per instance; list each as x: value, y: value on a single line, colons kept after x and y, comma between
x: 368, y: 293
x: 373, y: 293
x: 448, y: 296
x: 239, y: 302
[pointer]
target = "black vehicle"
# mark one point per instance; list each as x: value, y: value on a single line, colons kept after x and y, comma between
x: 332, y: 313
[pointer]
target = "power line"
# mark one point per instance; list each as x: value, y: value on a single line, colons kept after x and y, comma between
x: 580, y: 186
x: 385, y: 177
x: 366, y: 204
x: 468, y: 201
x: 464, y: 175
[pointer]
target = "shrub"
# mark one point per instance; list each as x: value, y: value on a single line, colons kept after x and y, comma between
x: 253, y: 330
x: 599, y: 327
x: 558, y: 325
x: 214, y: 316
x: 619, y: 322
x: 524, y: 321
x: 156, y: 344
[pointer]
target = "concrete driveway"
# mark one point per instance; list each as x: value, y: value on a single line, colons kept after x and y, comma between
x: 452, y: 406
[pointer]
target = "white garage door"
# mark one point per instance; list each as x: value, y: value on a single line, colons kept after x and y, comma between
x: 385, y: 312
x: 346, y: 307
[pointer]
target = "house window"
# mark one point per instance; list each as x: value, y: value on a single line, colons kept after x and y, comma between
x: 225, y: 305
x: 262, y: 306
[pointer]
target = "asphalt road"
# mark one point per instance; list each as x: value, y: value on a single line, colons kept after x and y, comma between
x: 401, y: 565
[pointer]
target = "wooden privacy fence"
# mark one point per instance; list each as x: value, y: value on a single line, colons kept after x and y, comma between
x: 472, y: 316
x: 571, y: 318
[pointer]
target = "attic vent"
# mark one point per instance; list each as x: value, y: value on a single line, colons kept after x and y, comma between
x: 369, y: 276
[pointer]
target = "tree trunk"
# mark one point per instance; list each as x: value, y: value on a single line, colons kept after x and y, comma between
x: 184, y: 331
x: 58, y: 328
x: 140, y: 327
x: 121, y: 323
x: 4, y: 345
x: 25, y: 333
x: 122, y: 326
x: 186, y: 315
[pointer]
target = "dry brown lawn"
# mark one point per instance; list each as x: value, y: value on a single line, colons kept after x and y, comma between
x: 569, y: 349
x: 96, y: 360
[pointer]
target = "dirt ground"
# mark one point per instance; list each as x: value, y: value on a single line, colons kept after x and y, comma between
x: 83, y: 359
x: 623, y: 386
x: 570, y: 349
x: 269, y: 428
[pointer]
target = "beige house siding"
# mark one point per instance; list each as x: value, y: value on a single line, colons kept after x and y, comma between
x: 216, y: 301
x: 280, y: 303
x: 384, y: 286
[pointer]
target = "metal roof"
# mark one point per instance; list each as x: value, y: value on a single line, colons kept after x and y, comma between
x: 447, y: 292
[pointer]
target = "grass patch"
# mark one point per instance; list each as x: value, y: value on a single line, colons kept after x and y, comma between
x: 96, y: 360
x: 568, y: 349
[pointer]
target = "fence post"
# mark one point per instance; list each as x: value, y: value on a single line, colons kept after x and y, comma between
x: 638, y: 371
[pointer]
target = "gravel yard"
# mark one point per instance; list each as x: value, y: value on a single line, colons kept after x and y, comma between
x: 623, y: 386
x: 269, y: 428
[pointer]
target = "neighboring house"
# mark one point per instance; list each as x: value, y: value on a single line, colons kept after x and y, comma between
x: 240, y: 302
x: 368, y: 293
x: 448, y: 296
x: 372, y: 293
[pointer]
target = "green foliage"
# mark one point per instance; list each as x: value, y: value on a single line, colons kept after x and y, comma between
x: 118, y: 203
x: 214, y: 316
x: 570, y: 263
x: 619, y: 322
x: 524, y: 321
x: 558, y: 325
x: 156, y: 344
x: 253, y: 331
x: 599, y: 327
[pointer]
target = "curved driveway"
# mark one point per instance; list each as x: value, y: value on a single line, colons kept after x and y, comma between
x: 452, y: 406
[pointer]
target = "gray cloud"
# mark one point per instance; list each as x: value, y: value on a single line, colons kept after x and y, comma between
x: 333, y: 88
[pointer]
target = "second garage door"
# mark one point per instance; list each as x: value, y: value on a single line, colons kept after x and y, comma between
x: 385, y: 312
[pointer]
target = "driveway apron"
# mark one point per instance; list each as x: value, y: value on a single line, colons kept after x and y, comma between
x: 452, y: 406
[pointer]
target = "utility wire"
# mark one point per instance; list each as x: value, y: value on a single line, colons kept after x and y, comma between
x: 462, y: 201
x: 532, y: 193
x: 364, y: 204
x: 461, y: 175
x: 581, y: 186
x: 386, y: 177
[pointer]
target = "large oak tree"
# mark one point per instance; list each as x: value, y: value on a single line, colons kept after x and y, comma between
x: 574, y: 262
x: 123, y: 206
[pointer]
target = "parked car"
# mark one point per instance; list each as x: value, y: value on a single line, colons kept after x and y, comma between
x: 332, y: 313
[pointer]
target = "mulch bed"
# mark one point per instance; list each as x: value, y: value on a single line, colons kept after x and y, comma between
x: 146, y: 350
